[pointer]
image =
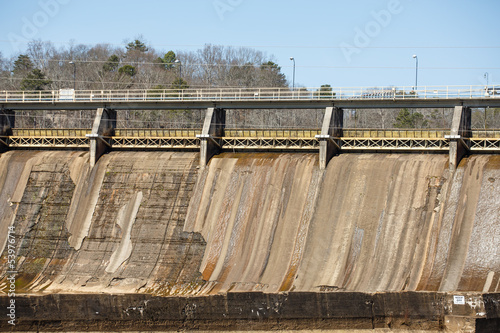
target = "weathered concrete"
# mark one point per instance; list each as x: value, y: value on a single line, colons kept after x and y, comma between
x: 104, y: 125
x: 333, y: 124
x: 153, y: 223
x: 213, y: 130
x: 460, y: 131
x: 409, y: 311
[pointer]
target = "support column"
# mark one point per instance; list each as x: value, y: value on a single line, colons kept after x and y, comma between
x: 104, y: 126
x: 213, y: 130
x: 460, y: 132
x: 7, y: 123
x: 332, y: 128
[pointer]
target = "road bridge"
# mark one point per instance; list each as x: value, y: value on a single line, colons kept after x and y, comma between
x: 213, y: 137
x: 253, y: 98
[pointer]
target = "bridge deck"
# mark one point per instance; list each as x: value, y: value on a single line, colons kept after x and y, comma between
x: 249, y: 98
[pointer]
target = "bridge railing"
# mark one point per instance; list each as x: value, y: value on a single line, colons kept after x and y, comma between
x: 271, y: 133
x: 157, y: 132
x: 485, y: 133
x: 266, y: 94
x: 352, y: 139
x: 51, y: 132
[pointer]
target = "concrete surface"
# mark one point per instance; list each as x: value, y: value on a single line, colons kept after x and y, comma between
x: 153, y: 224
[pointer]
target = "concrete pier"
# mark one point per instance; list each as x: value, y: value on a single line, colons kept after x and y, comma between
x: 104, y: 126
x: 460, y: 132
x: 213, y: 130
x: 332, y: 127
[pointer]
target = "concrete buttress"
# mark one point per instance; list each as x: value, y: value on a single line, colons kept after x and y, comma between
x: 104, y: 126
x: 460, y: 131
x: 213, y: 130
x: 332, y: 127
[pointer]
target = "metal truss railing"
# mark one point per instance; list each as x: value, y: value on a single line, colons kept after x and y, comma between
x: 405, y: 144
x: 154, y: 143
x: 395, y: 133
x: 484, y: 144
x: 263, y: 139
x: 47, y: 142
x: 270, y: 143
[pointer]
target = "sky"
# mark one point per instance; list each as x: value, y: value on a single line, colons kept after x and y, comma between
x: 342, y: 43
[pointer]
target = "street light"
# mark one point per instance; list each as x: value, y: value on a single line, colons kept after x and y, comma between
x: 293, y: 82
x: 177, y: 61
x: 486, y: 94
x: 416, y: 70
x: 74, y: 74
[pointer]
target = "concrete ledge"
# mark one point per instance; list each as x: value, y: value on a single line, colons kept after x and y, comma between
x: 253, y: 311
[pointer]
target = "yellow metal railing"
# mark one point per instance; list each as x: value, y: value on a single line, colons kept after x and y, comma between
x: 157, y: 132
x: 51, y: 132
x: 487, y: 133
x: 271, y: 133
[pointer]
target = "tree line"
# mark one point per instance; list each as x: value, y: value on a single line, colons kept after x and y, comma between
x: 137, y: 66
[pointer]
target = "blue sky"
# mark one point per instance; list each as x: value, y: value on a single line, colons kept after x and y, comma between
x: 341, y: 43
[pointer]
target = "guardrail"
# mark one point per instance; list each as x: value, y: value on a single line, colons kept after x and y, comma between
x: 271, y: 133
x: 245, y: 94
x: 157, y: 132
x: 256, y: 132
x: 51, y: 132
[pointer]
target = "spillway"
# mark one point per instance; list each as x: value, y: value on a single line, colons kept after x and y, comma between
x: 154, y: 224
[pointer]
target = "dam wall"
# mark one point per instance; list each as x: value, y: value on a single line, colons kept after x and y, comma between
x: 155, y: 223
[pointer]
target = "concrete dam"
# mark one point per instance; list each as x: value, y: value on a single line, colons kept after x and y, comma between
x: 153, y: 223
x: 211, y: 229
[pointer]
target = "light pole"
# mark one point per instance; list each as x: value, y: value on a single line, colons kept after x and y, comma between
x: 177, y: 61
x: 293, y: 81
x: 74, y: 74
x: 486, y: 94
x: 416, y: 71
x: 74, y: 85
